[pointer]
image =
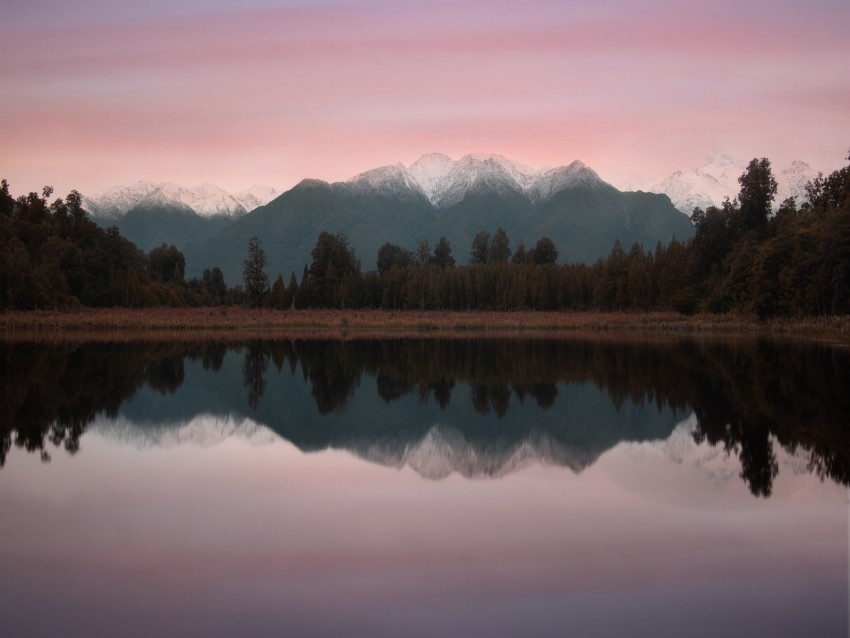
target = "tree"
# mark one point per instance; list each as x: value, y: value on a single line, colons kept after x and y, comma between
x: 166, y: 263
x: 254, y: 275
x: 443, y: 254
x: 544, y: 252
x: 393, y: 256
x: 214, y: 284
x: 499, y: 251
x: 521, y: 255
x: 278, y: 293
x: 423, y: 252
x: 331, y: 250
x: 758, y: 188
x: 480, y: 245
x: 291, y: 291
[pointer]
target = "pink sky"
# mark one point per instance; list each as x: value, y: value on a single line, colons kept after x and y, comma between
x: 96, y: 93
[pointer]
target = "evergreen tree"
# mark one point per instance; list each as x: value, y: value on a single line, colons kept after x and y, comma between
x: 393, y: 256
x: 544, y: 252
x: 331, y: 250
x: 499, y: 250
x: 521, y: 255
x: 443, y: 254
x: 254, y: 275
x: 758, y: 188
x: 277, y: 294
x: 480, y: 247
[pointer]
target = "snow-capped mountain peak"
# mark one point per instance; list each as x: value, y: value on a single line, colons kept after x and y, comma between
x: 792, y: 181
x: 430, y: 171
x: 206, y: 200
x: 716, y: 179
x: 393, y: 179
x: 557, y: 179
x: 256, y: 196
x: 445, y: 182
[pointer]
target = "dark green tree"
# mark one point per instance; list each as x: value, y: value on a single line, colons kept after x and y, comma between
x: 277, y: 298
x: 166, y: 263
x: 333, y: 260
x: 758, y: 189
x: 544, y: 252
x: 253, y: 274
x: 216, y: 289
x: 480, y: 247
x: 393, y: 256
x: 443, y: 254
x: 521, y: 255
x: 499, y: 250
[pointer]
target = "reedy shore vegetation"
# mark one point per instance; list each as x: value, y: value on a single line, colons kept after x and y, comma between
x: 237, y: 322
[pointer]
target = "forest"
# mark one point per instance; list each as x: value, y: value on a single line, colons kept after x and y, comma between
x: 743, y: 258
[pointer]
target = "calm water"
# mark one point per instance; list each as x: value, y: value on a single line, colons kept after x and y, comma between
x: 425, y: 487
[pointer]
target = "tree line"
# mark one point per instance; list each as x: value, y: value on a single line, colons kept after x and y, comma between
x: 742, y: 258
x: 52, y: 255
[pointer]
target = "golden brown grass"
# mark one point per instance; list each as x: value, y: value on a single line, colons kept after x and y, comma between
x: 240, y: 323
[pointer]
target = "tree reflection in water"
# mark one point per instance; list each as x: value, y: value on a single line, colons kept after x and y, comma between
x: 745, y: 394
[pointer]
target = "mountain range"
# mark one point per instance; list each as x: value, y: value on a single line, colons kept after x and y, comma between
x: 433, y: 197
x: 715, y: 179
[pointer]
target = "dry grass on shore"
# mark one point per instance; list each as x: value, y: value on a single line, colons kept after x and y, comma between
x: 240, y: 323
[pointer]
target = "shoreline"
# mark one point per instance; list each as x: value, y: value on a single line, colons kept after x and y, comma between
x: 229, y: 323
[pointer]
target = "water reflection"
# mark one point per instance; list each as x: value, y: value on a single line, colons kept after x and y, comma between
x: 476, y: 406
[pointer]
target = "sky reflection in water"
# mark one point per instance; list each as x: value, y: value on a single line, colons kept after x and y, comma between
x: 612, y: 511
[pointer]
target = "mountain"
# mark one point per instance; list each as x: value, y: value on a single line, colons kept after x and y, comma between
x: 150, y: 214
x: 437, y: 196
x: 255, y: 196
x: 716, y: 179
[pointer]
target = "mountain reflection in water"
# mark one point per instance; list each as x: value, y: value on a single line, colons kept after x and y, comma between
x: 480, y: 407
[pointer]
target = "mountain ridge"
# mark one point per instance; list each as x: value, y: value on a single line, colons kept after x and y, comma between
x: 431, y: 198
x: 716, y: 179
x: 205, y: 200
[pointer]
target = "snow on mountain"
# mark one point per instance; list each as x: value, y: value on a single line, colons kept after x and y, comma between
x: 446, y: 182
x: 792, y: 181
x: 203, y: 430
x: 444, y: 451
x: 558, y: 179
x: 430, y: 172
x: 205, y: 200
x: 716, y: 179
x: 256, y: 196
x: 394, y: 179
x: 442, y: 180
x: 715, y: 463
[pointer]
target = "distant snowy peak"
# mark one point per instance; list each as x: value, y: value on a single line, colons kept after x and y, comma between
x: 555, y: 180
x: 205, y: 200
x: 445, y: 182
x: 444, y: 451
x: 792, y: 181
x: 717, y: 179
x: 430, y: 172
x: 256, y: 196
x: 394, y: 179
x: 203, y: 430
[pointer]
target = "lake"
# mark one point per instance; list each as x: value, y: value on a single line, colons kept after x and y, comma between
x: 425, y: 487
